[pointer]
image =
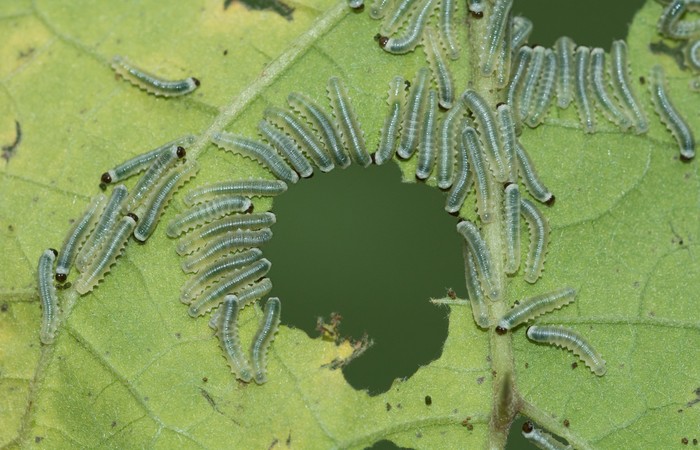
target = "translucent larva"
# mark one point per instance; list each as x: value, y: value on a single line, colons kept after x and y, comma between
x: 426, y: 146
x: 533, y: 307
x: 206, y: 212
x: 522, y: 27
x: 198, y: 238
x: 480, y: 309
x: 227, y: 331
x: 396, y: 17
x: 214, y: 295
x: 286, y: 147
x: 164, y: 162
x: 529, y: 85
x: 564, y: 47
x: 231, y: 241
x: 480, y: 251
x: 140, y: 163
x: 519, y: 72
x: 75, y: 237
x: 264, y: 337
x: 349, y: 125
x: 545, y: 91
x: 415, y: 107
x: 460, y: 188
x: 447, y: 33
x: 435, y: 54
x: 246, y: 296
x: 481, y: 180
x: 582, y: 89
x: 110, y: 215
x: 414, y: 30
x: 153, y: 208
x: 692, y: 54
x: 107, y: 255
x: 512, y: 219
x: 47, y: 296
x: 392, y: 123
x: 494, y: 39
x: 246, y: 188
x: 258, y: 151
x: 619, y: 73
x: 529, y: 175
x: 447, y: 143
x: 323, y: 123
x: 303, y: 135
x: 570, y: 340
x: 151, y: 83
x: 669, y: 114
x: 489, y: 131
x: 378, y: 8
x: 670, y: 23
x: 539, y: 239
x: 506, y: 124
x: 209, y: 274
x: 541, y: 439
x: 599, y: 87
x: 504, y: 56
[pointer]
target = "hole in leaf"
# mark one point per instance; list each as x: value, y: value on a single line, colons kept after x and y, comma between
x: 361, y: 243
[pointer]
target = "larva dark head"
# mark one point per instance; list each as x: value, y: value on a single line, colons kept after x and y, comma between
x: 358, y: 8
x: 54, y: 251
x: 133, y: 216
x: 477, y: 15
x: 528, y: 427
x: 383, y: 41
x: 106, y: 178
x: 61, y: 277
x: 181, y: 152
x: 250, y: 209
x: 501, y: 331
x: 551, y: 201
x: 196, y: 81
x: 686, y: 159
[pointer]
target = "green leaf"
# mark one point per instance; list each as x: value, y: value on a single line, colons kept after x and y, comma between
x: 129, y: 367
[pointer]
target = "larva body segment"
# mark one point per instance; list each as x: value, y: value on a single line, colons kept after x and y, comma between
x: 529, y: 86
x: 582, y: 89
x: 397, y: 17
x: 140, y: 163
x: 692, y: 54
x: 246, y: 188
x: 392, y: 123
x: 323, y: 123
x: 619, y: 73
x: 499, y: 19
x: 542, y: 439
x: 151, y: 83
x: 47, y: 296
x: 201, y: 236
x: 489, y: 131
x: 107, y: 255
x: 346, y: 117
x: 512, y: 228
x: 303, y: 135
x: 504, y: 55
x: 522, y: 28
x: 506, y: 124
x: 153, y: 208
x: 533, y: 307
x: 245, y: 296
x: 426, y: 145
x: 460, y: 188
x: 227, y: 331
x: 378, y: 8
x: 438, y: 65
x: 415, y: 108
x: 231, y: 241
x: 481, y: 180
x: 669, y: 114
x: 103, y: 228
x: 565, y: 78
x: 160, y: 166
x: 214, y: 295
x: 539, y: 239
x: 480, y: 251
x: 545, y: 91
x: 408, y: 41
x: 209, y: 274
x: 207, y: 212
x: 264, y: 337
x: 262, y: 153
x: 286, y: 147
x: 447, y: 143
x: 570, y: 340
x: 77, y: 235
x: 519, y: 73
x: 529, y: 175
x: 480, y: 309
x: 447, y: 33
x: 599, y: 87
